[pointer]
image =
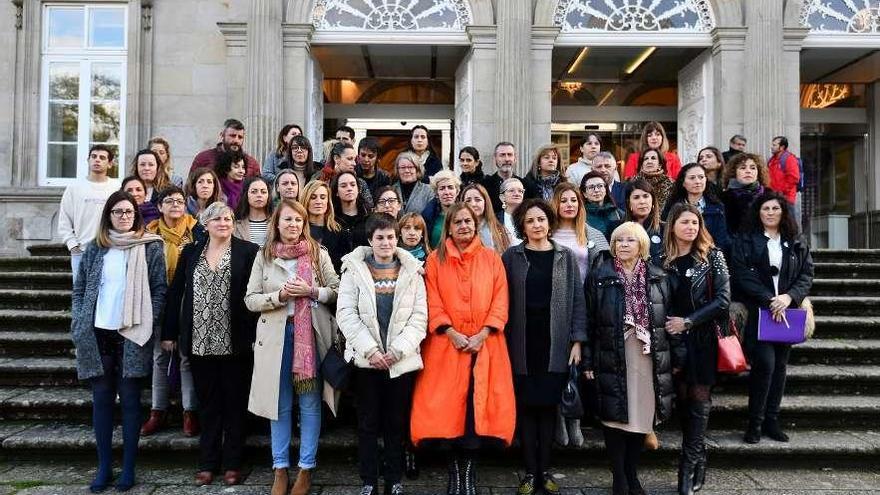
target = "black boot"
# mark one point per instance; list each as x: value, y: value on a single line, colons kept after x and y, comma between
x: 772, y: 430
x: 468, y: 476
x: 410, y: 466
x: 700, y: 412
x: 453, y: 485
x: 690, y: 451
x: 753, y: 433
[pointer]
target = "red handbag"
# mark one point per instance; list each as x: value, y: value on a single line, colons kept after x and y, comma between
x: 730, y: 354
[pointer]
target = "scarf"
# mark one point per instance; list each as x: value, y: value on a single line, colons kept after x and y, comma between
x: 635, y: 314
x: 175, y: 239
x: 149, y: 212
x: 547, y: 184
x: 232, y: 190
x: 662, y: 185
x: 418, y: 251
x: 137, y: 306
x: 476, y: 176
x: 737, y: 188
x: 304, y: 369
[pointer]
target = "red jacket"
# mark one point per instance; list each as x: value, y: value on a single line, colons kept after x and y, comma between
x: 673, y: 165
x: 208, y: 158
x: 784, y: 182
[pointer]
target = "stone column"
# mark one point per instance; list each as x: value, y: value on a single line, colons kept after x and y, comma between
x: 792, y: 42
x: 479, y: 106
x: 299, y: 80
x: 263, y: 87
x: 541, y: 69
x: 763, y: 93
x: 728, y: 45
x: 513, y: 77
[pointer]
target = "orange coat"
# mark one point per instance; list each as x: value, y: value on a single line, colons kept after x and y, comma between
x: 468, y: 292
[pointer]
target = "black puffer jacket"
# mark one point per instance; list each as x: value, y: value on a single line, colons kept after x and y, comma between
x: 604, y: 350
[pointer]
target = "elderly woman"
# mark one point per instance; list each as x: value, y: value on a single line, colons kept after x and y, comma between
x: 772, y: 269
x: 446, y: 186
x: 544, y: 332
x: 512, y: 192
x: 464, y: 397
x: 545, y: 174
x: 291, y: 276
x: 206, y: 317
x: 629, y: 352
x: 701, y: 298
x: 177, y: 229
x: 118, y: 291
x: 415, y: 194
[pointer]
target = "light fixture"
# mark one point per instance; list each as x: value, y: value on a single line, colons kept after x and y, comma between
x: 577, y: 61
x: 606, y: 97
x: 571, y: 86
x: 640, y: 59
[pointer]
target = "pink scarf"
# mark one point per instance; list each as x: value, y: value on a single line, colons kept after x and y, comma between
x: 304, y: 369
x: 635, y: 315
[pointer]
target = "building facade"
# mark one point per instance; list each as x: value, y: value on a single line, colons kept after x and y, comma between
x: 475, y: 72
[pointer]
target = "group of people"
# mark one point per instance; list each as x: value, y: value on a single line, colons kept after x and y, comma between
x: 456, y: 306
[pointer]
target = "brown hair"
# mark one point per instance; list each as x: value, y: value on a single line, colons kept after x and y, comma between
x: 447, y: 227
x: 740, y: 159
x: 194, y: 177
x: 702, y: 244
x: 499, y: 233
x: 648, y: 129
x: 419, y: 222
x: 642, y: 184
x: 536, y: 161
x: 162, y: 181
x: 273, y: 236
x: 102, y: 239
x: 580, y: 221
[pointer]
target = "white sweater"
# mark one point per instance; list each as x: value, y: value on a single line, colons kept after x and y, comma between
x: 80, y: 212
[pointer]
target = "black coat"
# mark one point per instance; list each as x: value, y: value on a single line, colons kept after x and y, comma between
x: 737, y: 204
x: 712, y: 304
x: 179, y: 304
x: 604, y: 351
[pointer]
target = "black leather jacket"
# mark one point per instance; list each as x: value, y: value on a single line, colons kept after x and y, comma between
x: 710, y: 293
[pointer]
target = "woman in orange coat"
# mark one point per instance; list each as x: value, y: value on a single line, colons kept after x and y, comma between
x: 464, y: 396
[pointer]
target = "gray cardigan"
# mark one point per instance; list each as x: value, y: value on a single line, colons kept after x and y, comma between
x: 422, y: 194
x: 568, y: 315
x: 137, y: 361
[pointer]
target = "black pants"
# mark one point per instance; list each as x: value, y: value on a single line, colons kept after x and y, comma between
x: 536, y: 425
x: 222, y: 385
x: 624, y: 451
x: 766, y: 381
x: 382, y: 405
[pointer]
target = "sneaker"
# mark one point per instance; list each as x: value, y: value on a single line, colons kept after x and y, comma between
x: 368, y: 490
x: 526, y: 485
x: 395, y: 489
x: 550, y: 486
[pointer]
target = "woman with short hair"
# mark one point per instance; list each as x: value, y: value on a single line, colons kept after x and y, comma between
x: 388, y: 201
x: 414, y: 193
x: 117, y: 299
x: 446, y: 186
x: 746, y: 177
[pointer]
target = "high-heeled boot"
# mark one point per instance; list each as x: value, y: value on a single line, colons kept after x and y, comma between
x: 453, y: 483
x: 468, y: 476
x: 701, y: 423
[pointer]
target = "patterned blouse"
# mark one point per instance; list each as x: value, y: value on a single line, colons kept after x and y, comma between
x: 211, y: 333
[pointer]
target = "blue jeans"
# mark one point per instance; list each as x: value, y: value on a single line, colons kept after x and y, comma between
x: 309, y: 415
x: 75, y: 260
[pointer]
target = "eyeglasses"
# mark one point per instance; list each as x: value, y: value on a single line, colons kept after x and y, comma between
x: 406, y: 167
x: 515, y: 190
x: 387, y: 201
x: 594, y: 187
x: 173, y: 202
x: 122, y: 213
x: 297, y: 147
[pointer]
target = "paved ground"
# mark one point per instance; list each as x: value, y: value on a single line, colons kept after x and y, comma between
x: 45, y: 477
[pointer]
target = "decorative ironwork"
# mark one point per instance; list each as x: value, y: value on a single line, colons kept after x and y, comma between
x: 841, y: 16
x: 824, y: 95
x: 392, y: 15
x: 635, y: 15
x: 571, y: 86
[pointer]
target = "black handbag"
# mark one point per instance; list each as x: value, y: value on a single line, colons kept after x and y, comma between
x: 571, y: 406
x: 334, y: 369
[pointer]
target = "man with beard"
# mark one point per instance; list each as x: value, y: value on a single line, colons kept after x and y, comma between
x: 231, y: 141
x: 505, y: 165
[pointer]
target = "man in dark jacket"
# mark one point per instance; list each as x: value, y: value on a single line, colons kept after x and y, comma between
x: 368, y: 166
x: 737, y: 145
x: 505, y: 164
x: 231, y: 141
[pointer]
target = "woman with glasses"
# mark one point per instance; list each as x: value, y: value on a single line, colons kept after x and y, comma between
x: 388, y: 201
x: 602, y: 213
x: 414, y: 193
x: 301, y: 158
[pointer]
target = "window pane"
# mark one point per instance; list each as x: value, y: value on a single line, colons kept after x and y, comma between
x: 63, y: 121
x: 106, y: 81
x: 64, y: 81
x: 106, y: 28
x: 105, y: 122
x: 66, y: 27
x: 61, y: 160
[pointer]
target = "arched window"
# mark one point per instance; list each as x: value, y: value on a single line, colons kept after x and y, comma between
x: 392, y: 15
x: 841, y: 16
x: 692, y: 16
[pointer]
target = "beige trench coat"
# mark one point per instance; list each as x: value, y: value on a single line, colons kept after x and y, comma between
x: 266, y: 280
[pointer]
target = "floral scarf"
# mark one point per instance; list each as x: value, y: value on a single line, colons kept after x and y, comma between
x: 304, y: 366
x: 635, y: 315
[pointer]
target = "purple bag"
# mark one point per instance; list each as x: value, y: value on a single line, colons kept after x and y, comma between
x: 789, y: 331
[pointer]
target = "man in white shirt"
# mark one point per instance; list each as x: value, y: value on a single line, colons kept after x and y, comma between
x: 82, y: 203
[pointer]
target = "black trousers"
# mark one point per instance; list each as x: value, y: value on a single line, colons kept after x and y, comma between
x: 382, y: 405
x: 766, y: 381
x: 536, y: 424
x: 222, y: 385
x: 624, y: 451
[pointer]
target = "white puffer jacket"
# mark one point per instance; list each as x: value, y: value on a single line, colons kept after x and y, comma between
x: 356, y: 312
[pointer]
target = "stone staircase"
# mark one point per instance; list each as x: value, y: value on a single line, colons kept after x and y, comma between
x: 831, y: 408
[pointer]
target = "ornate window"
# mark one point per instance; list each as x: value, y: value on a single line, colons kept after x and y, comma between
x: 841, y: 16
x: 392, y: 15
x: 693, y: 16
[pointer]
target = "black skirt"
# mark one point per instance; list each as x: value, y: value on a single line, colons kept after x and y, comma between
x: 701, y: 366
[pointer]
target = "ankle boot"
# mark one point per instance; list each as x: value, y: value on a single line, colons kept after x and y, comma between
x: 155, y: 423
x: 561, y: 430
x: 279, y: 486
x: 190, y: 424
x: 701, y: 411
x: 303, y: 482
x: 753, y: 433
x: 453, y: 484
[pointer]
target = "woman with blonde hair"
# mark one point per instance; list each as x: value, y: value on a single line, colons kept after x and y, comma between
x: 446, y: 186
x: 323, y: 227
x: 291, y: 275
x: 545, y: 173
x: 162, y: 148
x: 491, y: 232
x: 653, y: 138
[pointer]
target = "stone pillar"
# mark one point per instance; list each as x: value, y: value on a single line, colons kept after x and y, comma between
x: 873, y: 182
x: 792, y: 41
x: 728, y: 45
x: 480, y: 107
x: 263, y: 88
x: 541, y: 70
x: 763, y: 91
x: 299, y: 81
x: 513, y: 77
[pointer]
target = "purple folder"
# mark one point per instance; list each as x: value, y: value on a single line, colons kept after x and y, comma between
x: 771, y: 331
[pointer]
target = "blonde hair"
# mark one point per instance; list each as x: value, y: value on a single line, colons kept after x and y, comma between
x: 413, y: 158
x: 273, y: 236
x: 543, y: 150
x: 635, y: 230
x: 499, y: 233
x: 580, y: 221
x: 306, y: 193
x: 169, y: 167
x: 445, y: 175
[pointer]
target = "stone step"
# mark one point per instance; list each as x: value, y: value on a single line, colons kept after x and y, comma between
x: 848, y: 269
x: 36, y: 280
x: 846, y: 305
x: 853, y: 445
x: 850, y: 327
x: 844, y: 287
x: 801, y: 412
x: 41, y: 250
x: 38, y: 371
x: 44, y: 299
x: 13, y: 320
x: 35, y: 264
x: 836, y: 351
x: 815, y: 379
x: 843, y: 255
x: 34, y: 344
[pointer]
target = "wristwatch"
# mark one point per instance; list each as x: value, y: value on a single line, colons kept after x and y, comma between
x: 688, y: 324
